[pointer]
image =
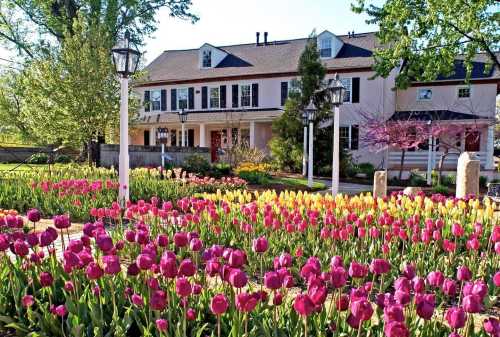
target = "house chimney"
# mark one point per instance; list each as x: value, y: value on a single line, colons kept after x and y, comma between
x: 265, y: 38
x: 352, y: 33
x: 257, y: 34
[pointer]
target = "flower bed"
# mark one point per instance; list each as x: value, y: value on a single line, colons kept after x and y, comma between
x: 235, y: 264
x: 77, y: 189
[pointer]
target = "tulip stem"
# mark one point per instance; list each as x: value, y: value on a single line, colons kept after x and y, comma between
x: 218, y: 325
x: 305, y: 326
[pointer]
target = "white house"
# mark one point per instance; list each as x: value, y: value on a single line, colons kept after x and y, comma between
x: 233, y: 93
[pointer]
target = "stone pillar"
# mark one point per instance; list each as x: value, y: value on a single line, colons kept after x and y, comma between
x: 203, y: 136
x: 490, y: 163
x: 468, y: 171
x: 252, y: 134
x: 380, y: 184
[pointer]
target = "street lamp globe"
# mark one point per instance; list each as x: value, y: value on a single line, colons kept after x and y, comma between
x: 310, y: 111
x: 125, y: 57
x: 337, y: 91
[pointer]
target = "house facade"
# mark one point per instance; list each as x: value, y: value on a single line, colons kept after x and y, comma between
x: 232, y: 94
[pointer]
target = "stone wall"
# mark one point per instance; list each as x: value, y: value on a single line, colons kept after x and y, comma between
x: 149, y: 156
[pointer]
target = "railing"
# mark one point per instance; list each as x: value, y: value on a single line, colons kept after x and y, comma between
x: 418, y: 159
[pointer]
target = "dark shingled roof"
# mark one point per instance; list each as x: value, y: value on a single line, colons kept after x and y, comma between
x: 282, y: 57
x: 434, y: 115
x: 250, y: 59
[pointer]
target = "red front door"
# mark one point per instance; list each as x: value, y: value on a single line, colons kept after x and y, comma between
x: 215, y: 143
x: 472, y: 141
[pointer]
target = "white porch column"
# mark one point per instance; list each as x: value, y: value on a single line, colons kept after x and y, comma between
x: 202, y: 136
x: 336, y: 151
x: 430, y: 161
x: 490, y: 163
x: 152, y: 136
x: 252, y: 134
x: 304, y: 154
x: 310, y: 156
x: 183, y: 135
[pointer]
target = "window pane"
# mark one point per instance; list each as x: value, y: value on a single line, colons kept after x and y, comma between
x: 245, y: 137
x: 325, y: 47
x: 207, y: 58
x: 354, y: 137
x: 464, y: 92
x: 344, y: 137
x: 214, y: 97
x: 173, y: 137
x: 424, y: 94
x: 155, y: 99
x: 346, y: 82
x: 245, y: 95
x: 182, y: 98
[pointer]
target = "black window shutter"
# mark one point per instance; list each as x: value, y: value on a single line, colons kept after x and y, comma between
x: 222, y: 96
x: 284, y: 92
x: 146, y: 100
x: 354, y: 137
x: 190, y: 138
x: 191, y: 98
x: 163, y: 102
x: 173, y: 99
x: 204, y: 97
x: 255, y: 94
x: 235, y: 95
x: 355, y: 90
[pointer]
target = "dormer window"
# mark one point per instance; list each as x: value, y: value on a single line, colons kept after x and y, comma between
x: 207, y: 59
x: 325, y: 47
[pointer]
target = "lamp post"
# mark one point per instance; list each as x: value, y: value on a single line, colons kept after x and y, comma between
x: 126, y: 60
x: 304, y: 154
x: 311, y: 115
x: 336, y: 92
x: 183, y: 115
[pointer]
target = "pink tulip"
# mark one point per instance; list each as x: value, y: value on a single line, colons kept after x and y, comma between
x: 260, y: 245
x: 187, y: 268
x: 396, y: 329
x: 456, y: 316
x: 219, y: 304
x: 33, y: 215
x: 463, y: 273
x: 393, y: 313
x: 61, y: 311
x: 492, y: 326
x: 94, y: 271
x: 357, y: 270
x: 380, y: 266
x: 449, y: 287
x: 161, y: 324
x: 362, y: 309
x: 111, y: 264
x: 180, y: 239
x: 303, y: 305
x: 496, y: 279
x: 272, y: 280
x: 246, y: 302
x: 317, y: 292
x: 238, y: 278
x: 137, y: 300
x: 435, y: 279
x: 21, y: 248
x: 457, y: 230
x: 46, y: 279
x: 168, y: 266
x: 183, y: 287
x: 27, y: 300
x: 472, y: 303
x: 158, y: 300
x: 425, y: 305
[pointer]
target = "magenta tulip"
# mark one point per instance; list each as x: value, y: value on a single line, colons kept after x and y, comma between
x: 219, y: 304
x: 303, y: 305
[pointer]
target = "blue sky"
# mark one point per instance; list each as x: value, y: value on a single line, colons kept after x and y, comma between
x: 224, y: 22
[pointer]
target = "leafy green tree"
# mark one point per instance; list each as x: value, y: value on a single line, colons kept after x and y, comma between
x: 33, y: 26
x: 287, y: 146
x: 72, y: 95
x: 423, y: 38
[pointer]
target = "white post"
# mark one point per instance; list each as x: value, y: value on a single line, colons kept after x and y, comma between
x: 152, y: 136
x: 304, y: 155
x: 202, y: 136
x: 310, y: 156
x: 252, y: 134
x: 183, y: 137
x: 490, y: 163
x: 429, y: 162
x: 123, y: 192
x: 162, y: 156
x: 336, y: 151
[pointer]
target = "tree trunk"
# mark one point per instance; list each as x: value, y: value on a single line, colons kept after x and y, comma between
x: 440, y: 167
x: 403, y: 152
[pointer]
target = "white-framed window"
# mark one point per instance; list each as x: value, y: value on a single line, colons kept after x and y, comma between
x: 182, y: 98
x: 155, y: 100
x: 245, y: 95
x: 349, y: 137
x: 325, y: 47
x: 347, y: 83
x: 463, y: 92
x: 207, y: 59
x: 214, y: 97
x: 424, y: 94
x: 293, y: 86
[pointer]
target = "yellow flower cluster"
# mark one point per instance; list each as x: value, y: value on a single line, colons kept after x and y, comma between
x: 252, y: 167
x: 363, y: 204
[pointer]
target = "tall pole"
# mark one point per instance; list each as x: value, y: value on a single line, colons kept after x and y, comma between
x: 183, y: 140
x: 336, y: 151
x: 429, y: 162
x: 123, y: 192
x: 310, y: 156
x: 304, y: 155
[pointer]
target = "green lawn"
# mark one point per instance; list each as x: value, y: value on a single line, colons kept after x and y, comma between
x: 297, y: 183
